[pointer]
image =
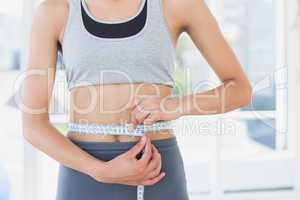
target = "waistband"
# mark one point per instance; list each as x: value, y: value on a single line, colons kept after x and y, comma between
x: 163, y: 143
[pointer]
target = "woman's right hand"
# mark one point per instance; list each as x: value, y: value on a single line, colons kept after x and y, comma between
x: 128, y: 170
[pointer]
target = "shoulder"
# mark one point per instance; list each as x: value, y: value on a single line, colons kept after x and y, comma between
x: 53, y: 7
x: 51, y: 15
x: 184, y: 11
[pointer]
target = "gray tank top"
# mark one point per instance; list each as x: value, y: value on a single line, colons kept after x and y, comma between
x: 136, y: 50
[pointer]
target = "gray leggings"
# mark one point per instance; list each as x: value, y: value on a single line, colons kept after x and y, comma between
x: 74, y: 185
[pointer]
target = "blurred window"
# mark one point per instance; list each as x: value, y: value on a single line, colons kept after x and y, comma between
x: 254, y: 29
x: 251, y: 154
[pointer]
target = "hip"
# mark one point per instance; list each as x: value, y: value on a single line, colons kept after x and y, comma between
x: 76, y: 185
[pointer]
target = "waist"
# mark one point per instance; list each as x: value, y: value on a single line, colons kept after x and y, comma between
x: 119, y: 132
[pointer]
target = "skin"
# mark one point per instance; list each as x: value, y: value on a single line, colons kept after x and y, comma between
x: 143, y: 103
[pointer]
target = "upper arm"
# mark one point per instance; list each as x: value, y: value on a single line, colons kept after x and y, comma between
x: 40, y: 70
x: 203, y: 29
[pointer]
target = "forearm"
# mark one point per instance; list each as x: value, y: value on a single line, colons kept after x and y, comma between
x: 46, y: 138
x: 224, y: 98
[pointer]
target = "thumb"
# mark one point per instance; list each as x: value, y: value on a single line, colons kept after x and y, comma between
x: 136, y: 149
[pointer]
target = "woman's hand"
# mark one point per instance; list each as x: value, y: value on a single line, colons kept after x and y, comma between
x: 128, y: 170
x: 150, y: 109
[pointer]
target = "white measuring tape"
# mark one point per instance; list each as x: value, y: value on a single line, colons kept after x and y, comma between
x: 140, y: 192
x: 118, y: 129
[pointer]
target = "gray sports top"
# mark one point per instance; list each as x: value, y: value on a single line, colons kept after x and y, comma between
x: 136, y: 50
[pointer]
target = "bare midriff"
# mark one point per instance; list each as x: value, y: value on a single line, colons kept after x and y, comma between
x: 109, y: 104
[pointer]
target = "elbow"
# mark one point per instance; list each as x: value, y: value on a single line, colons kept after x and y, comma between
x: 30, y: 126
x: 246, y: 95
x: 241, y: 94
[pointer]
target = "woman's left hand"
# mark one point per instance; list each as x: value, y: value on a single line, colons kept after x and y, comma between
x: 150, y: 109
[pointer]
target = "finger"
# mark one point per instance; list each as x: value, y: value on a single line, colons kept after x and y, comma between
x: 151, y: 118
x: 138, y: 100
x: 133, y: 121
x: 155, y: 180
x: 155, y: 161
x: 154, y: 166
x: 133, y: 114
x: 140, y: 115
x: 136, y: 149
x: 147, y: 154
x: 134, y: 102
x: 155, y: 149
x: 154, y: 173
x: 131, y: 104
x: 130, y: 183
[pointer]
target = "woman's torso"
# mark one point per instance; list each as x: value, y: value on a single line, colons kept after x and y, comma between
x: 111, y: 108
x: 145, y: 58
